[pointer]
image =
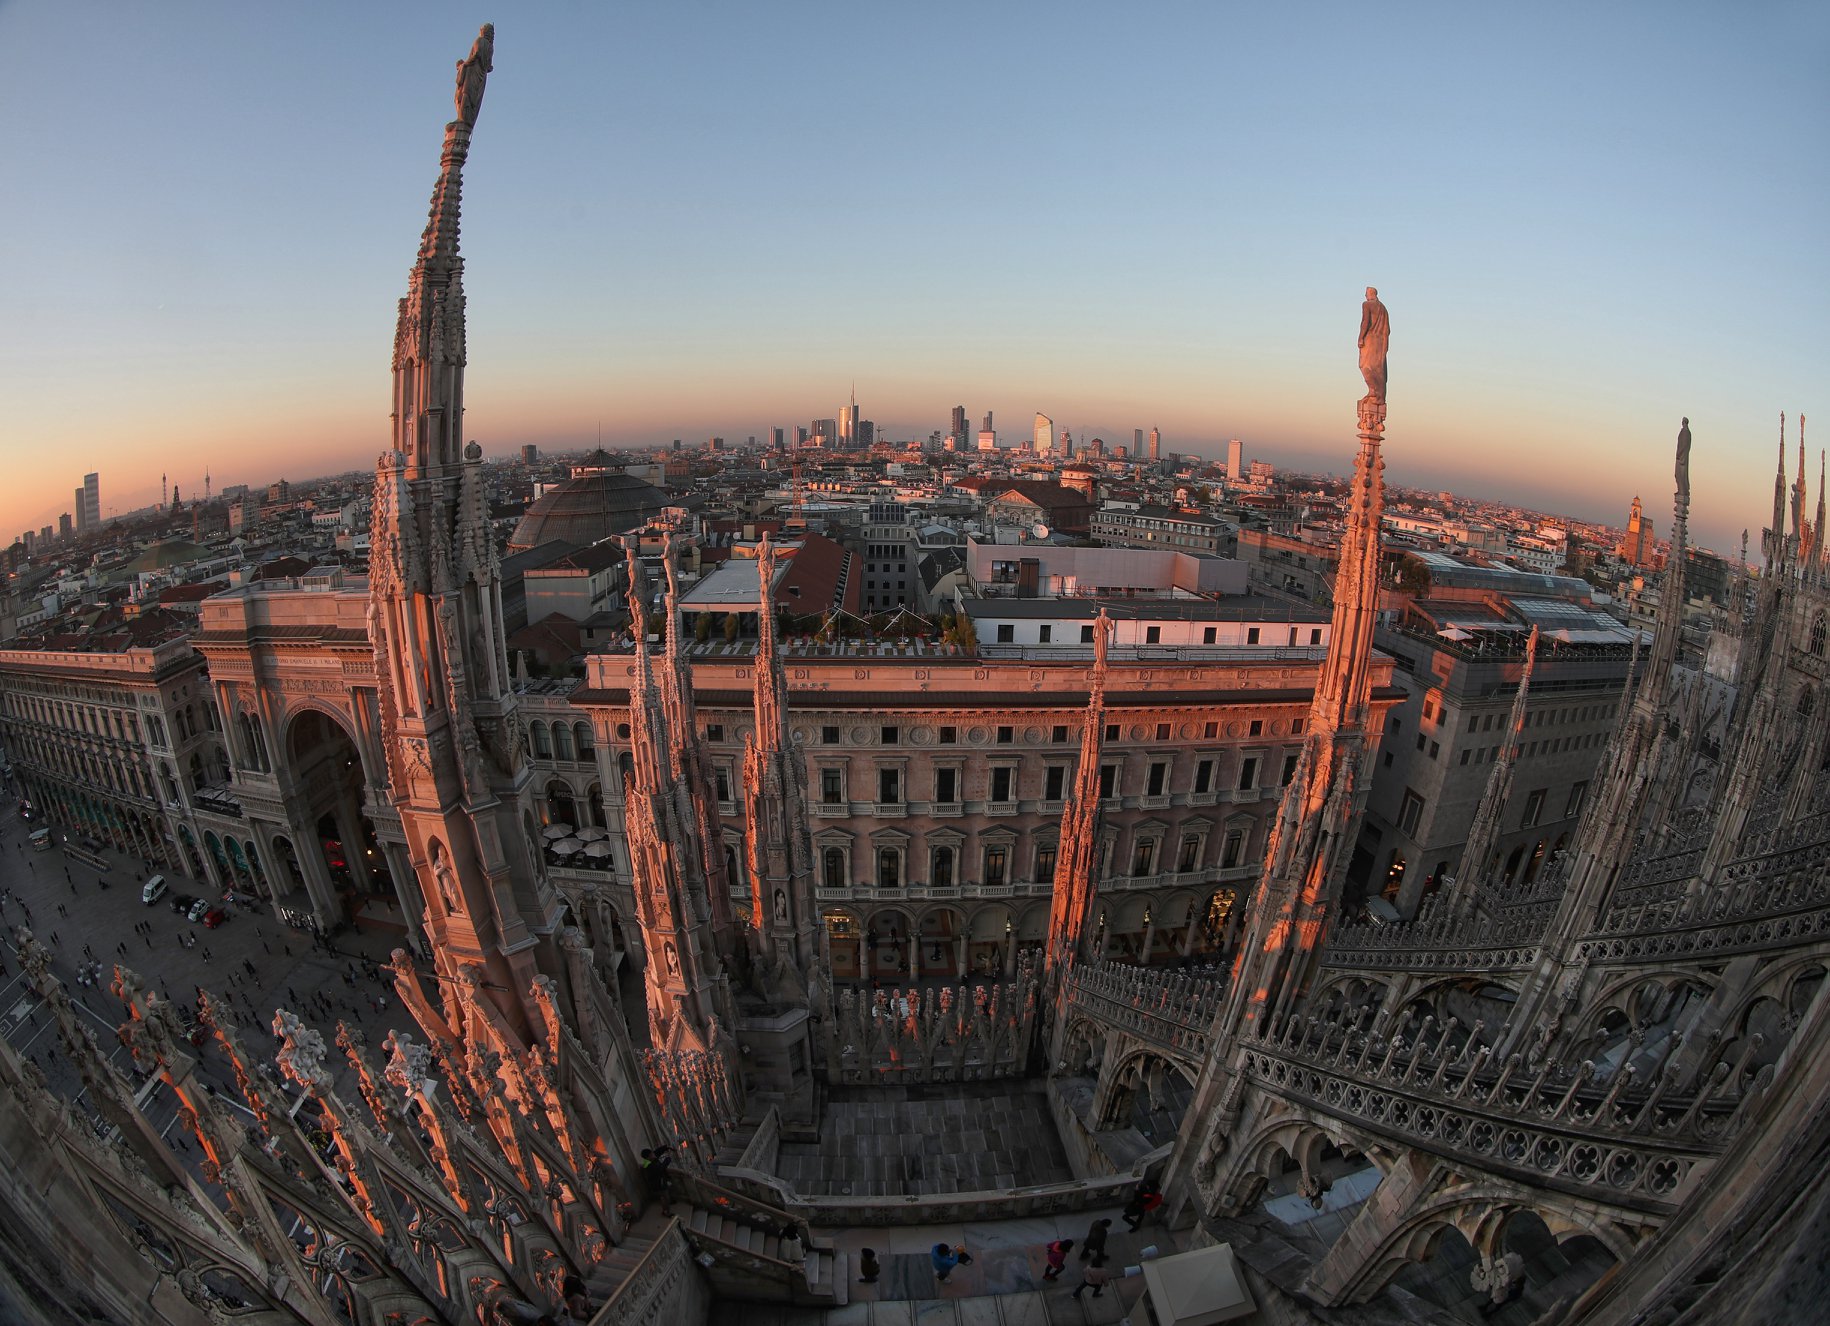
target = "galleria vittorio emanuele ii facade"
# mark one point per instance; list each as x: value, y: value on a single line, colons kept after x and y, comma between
x: 1079, y: 926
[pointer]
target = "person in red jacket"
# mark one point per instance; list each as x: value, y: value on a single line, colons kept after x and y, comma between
x: 1057, y: 1257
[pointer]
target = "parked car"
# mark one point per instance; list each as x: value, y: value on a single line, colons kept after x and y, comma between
x: 198, y: 908
x: 214, y: 917
x: 183, y: 902
x: 155, y: 889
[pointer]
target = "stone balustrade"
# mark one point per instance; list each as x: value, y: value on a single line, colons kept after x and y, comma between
x: 1170, y: 1008
x: 1541, y: 1122
x: 664, y: 1286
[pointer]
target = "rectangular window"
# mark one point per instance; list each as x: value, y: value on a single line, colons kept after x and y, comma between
x: 1534, y: 810
x: 1045, y: 862
x: 1296, y: 727
x: 1289, y: 770
x: 888, y: 736
x: 1045, y: 635
x: 1191, y: 854
x: 1465, y: 754
x: 1231, y: 848
x: 1162, y: 732
x: 1006, y: 735
x: 1251, y: 635
x: 1153, y: 635
x: 996, y: 860
x: 1111, y: 731
x: 946, y: 786
x: 829, y: 736
x: 949, y: 736
x: 1058, y: 734
x: 1209, y: 731
x: 1086, y: 635
x: 1256, y: 729
x: 714, y: 731
x: 1472, y: 720
x: 1421, y: 741
x: 1435, y: 749
x: 1409, y: 813
x: 1208, y: 635
x: 1006, y: 634
x: 1248, y: 773
x: 1204, y: 775
x: 723, y: 776
x: 1000, y: 784
x: 1315, y: 636
x: 832, y: 787
x: 1143, y: 856
x: 889, y: 787
x: 1056, y: 778
x: 1158, y: 772
x: 1108, y: 780
x: 1574, y: 806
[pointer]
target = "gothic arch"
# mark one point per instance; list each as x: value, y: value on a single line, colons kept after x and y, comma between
x: 1479, y: 1212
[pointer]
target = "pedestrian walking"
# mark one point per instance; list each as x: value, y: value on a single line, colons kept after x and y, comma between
x: 1094, y: 1244
x: 869, y: 1268
x: 1142, y: 1203
x: 944, y: 1259
x: 1096, y: 1277
x: 1056, y: 1255
x: 578, y: 1306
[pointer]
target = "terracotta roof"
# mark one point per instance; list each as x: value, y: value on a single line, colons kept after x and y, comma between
x: 818, y: 577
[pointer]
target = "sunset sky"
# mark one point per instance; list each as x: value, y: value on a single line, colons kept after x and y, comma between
x: 712, y: 217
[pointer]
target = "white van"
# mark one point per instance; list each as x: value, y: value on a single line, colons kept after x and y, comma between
x: 154, y: 890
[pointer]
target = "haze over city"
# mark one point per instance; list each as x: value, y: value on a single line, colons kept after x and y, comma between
x: 713, y: 219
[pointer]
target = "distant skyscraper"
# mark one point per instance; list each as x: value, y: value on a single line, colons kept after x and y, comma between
x: 777, y: 437
x: 825, y: 432
x: 1137, y: 440
x: 529, y: 454
x: 959, y: 422
x: 1099, y: 446
x: 1235, y: 460
x: 82, y: 510
x: 1156, y: 445
x: 1045, y: 434
x: 63, y: 526
x: 988, y: 435
x: 848, y: 424
x: 1067, y: 443
x: 92, y: 499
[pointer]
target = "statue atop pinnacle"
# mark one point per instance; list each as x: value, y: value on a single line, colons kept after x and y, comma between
x: 472, y: 73
x: 1375, y: 339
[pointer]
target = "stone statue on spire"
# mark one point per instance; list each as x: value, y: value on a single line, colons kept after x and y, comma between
x: 1683, y: 459
x: 472, y: 72
x: 1375, y: 340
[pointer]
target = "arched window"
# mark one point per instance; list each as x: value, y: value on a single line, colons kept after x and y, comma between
x: 543, y: 743
x: 581, y: 733
x: 559, y: 803
x: 594, y: 801
x: 1818, y: 630
x: 562, y: 741
x: 942, y: 873
x: 832, y: 868
x: 889, y: 868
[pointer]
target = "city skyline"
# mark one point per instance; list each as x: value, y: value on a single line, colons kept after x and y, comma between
x: 1623, y: 238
